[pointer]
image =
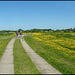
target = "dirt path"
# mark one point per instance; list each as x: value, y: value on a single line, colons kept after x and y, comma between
x: 6, y: 62
x: 40, y: 63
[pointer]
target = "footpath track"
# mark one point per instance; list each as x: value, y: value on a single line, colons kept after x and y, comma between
x: 40, y: 63
x: 6, y: 62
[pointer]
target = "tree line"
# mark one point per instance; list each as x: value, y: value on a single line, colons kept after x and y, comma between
x: 48, y: 30
x: 39, y: 30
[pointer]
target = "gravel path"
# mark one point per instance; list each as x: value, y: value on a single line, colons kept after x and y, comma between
x: 6, y: 62
x: 40, y: 63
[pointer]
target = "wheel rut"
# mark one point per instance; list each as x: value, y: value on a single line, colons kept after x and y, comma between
x: 40, y: 63
x: 6, y: 62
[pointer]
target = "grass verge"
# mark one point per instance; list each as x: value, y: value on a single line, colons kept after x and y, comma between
x: 22, y: 63
x: 4, y: 40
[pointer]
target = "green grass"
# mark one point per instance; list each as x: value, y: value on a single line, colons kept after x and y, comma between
x: 62, y: 35
x: 65, y: 64
x: 4, y: 40
x: 22, y: 63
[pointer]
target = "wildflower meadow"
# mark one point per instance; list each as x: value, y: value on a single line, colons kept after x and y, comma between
x: 58, y: 49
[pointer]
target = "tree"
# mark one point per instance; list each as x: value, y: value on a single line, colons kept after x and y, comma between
x: 20, y: 30
x: 74, y: 30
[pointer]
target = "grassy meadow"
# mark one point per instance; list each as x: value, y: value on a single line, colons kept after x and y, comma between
x: 58, y: 49
x: 4, y: 40
x: 22, y: 63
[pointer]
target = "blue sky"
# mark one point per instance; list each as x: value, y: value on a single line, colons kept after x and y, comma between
x: 37, y: 14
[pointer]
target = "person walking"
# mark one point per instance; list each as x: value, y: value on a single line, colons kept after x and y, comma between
x: 17, y: 33
x: 21, y: 34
